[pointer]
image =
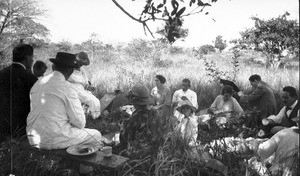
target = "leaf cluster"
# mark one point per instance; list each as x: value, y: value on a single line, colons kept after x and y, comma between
x: 271, y: 37
x: 170, y: 11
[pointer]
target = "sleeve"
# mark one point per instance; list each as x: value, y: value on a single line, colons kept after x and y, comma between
x: 267, y: 148
x: 279, y: 116
x: 257, y: 93
x: 168, y: 98
x: 214, y: 105
x: 194, y: 100
x: 237, y: 106
x: 85, y: 76
x: 74, y: 109
x: 175, y: 97
x: 152, y: 92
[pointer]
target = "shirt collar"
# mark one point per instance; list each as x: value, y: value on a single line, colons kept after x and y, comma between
x: 59, y: 75
x: 295, y: 103
x: 185, y: 91
x: 18, y: 63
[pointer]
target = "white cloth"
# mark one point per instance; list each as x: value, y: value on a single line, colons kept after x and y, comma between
x: 189, y: 94
x: 284, y: 145
x: 79, y: 77
x: 281, y: 114
x: 79, y: 80
x: 226, y: 106
x: 161, y: 97
x: 56, y: 119
x: 188, y: 127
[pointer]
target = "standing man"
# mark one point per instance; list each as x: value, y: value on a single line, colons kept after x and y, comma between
x: 15, y: 84
x: 183, y: 94
x: 262, y: 98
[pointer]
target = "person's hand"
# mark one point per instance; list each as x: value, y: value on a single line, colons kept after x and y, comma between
x: 254, y: 144
x: 89, y: 88
x: 240, y: 93
x: 243, y: 98
x: 265, y: 121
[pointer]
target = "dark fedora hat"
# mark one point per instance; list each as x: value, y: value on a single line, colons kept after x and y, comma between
x: 65, y: 59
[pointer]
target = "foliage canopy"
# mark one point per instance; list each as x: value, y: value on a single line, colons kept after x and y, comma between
x: 170, y: 11
x: 272, y: 37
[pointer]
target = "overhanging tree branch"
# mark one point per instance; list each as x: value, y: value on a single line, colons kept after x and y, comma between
x: 145, y: 26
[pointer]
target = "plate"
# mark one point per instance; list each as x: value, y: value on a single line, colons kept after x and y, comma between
x: 81, y: 150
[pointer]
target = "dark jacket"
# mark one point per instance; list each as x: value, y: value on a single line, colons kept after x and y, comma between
x: 15, y: 85
x: 263, y: 98
x: 287, y: 121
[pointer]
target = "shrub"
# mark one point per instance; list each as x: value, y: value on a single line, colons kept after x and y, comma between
x: 206, y: 49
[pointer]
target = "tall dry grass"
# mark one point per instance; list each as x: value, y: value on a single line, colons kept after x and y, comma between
x: 122, y: 72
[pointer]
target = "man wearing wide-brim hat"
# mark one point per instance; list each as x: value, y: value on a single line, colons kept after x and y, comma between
x: 56, y: 119
x: 284, y: 147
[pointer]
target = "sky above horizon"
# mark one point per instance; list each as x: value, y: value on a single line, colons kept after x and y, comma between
x: 76, y: 20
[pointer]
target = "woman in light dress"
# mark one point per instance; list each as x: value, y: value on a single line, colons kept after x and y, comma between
x: 80, y: 81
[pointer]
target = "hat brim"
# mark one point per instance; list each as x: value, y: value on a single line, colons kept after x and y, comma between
x: 142, y: 102
x: 53, y: 60
x: 181, y: 107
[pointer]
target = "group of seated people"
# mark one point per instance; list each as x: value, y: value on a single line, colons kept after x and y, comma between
x: 61, y: 100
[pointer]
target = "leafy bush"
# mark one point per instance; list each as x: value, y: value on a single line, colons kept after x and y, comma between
x: 206, y: 49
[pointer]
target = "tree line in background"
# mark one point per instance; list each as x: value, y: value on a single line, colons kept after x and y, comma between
x: 275, y: 37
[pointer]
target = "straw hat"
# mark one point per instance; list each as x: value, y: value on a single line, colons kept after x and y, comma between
x: 186, y: 103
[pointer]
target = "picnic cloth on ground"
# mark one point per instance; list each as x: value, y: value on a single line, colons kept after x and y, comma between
x: 56, y: 119
x: 79, y: 80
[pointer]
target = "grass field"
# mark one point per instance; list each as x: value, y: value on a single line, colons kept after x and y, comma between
x: 122, y: 72
x: 172, y: 156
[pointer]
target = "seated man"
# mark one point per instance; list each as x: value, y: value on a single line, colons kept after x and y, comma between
x: 262, y: 98
x: 282, y: 150
x: 283, y: 119
x: 16, y: 81
x: 56, y: 119
x: 183, y: 94
x: 226, y: 103
x: 39, y: 68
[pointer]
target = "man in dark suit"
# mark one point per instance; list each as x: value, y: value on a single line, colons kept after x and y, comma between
x: 16, y: 81
x: 284, y: 118
x: 262, y: 98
